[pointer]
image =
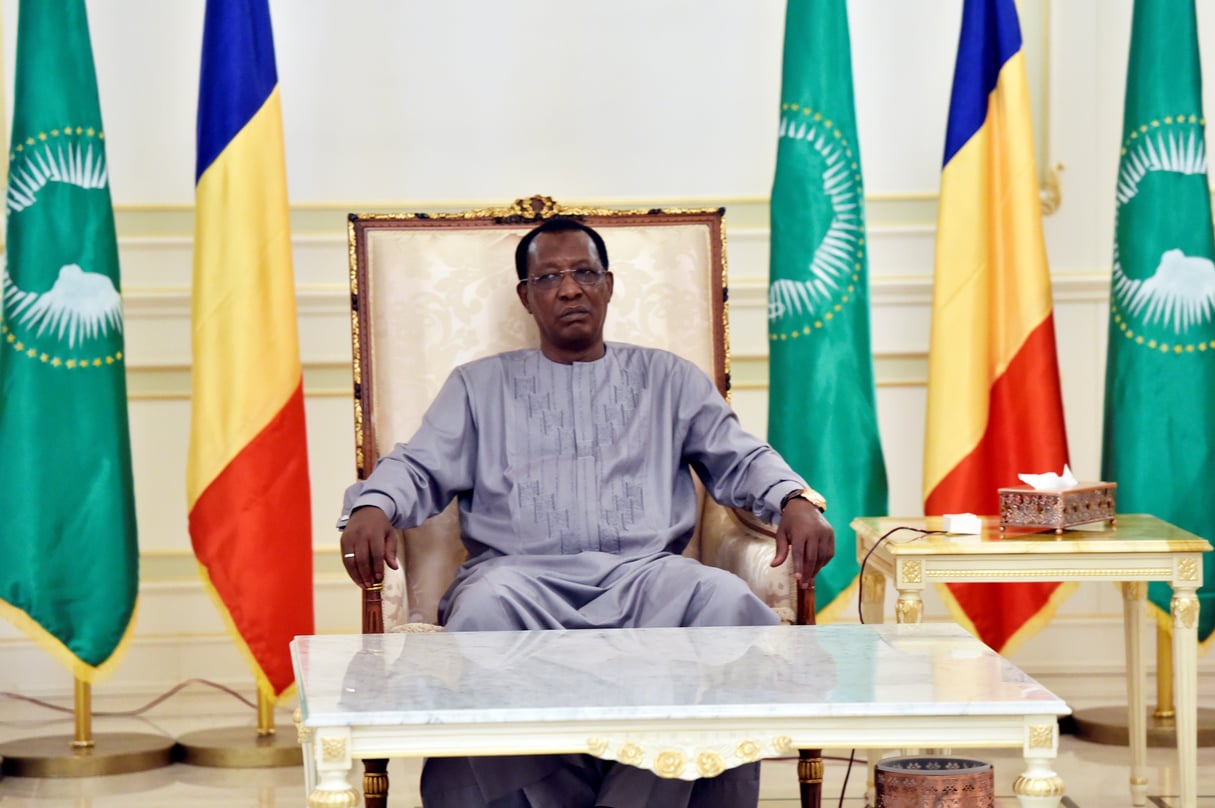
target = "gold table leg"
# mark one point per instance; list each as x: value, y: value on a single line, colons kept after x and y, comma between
x: 1185, y: 685
x: 332, y: 761
x: 1039, y: 786
x: 873, y: 597
x: 1134, y: 603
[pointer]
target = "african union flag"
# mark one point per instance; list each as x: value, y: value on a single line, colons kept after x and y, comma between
x: 822, y: 416
x: 69, y: 562
x: 1160, y: 371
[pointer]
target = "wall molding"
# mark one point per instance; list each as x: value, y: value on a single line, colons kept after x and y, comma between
x: 1091, y: 286
x: 170, y: 221
x: 320, y: 299
x: 173, y: 302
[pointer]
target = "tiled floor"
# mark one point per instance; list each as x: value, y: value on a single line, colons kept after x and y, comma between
x: 1094, y: 775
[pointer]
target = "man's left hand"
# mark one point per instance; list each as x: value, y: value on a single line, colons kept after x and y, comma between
x: 804, y: 530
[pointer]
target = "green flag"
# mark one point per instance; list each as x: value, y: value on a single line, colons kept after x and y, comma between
x: 1160, y: 374
x: 821, y: 412
x: 68, y: 558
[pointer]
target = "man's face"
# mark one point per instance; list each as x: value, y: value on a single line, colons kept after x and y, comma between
x: 569, y: 314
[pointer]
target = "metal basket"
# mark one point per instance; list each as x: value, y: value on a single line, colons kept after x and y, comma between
x: 934, y: 782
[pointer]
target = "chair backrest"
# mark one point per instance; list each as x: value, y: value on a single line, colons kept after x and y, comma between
x: 432, y: 291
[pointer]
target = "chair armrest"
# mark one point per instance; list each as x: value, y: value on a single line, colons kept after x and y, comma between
x: 395, y: 597
x: 737, y: 542
x: 429, y: 556
x: 387, y: 606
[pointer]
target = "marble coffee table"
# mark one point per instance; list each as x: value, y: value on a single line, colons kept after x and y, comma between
x: 683, y: 703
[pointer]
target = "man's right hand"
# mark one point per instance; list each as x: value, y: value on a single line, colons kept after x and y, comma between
x: 368, y: 543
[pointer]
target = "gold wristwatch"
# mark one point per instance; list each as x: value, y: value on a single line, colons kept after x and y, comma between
x: 809, y: 494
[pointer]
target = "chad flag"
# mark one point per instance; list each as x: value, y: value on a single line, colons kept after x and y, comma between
x: 247, y: 480
x: 994, y: 406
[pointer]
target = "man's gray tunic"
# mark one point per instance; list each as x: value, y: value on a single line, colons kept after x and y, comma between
x: 575, y: 493
x: 577, y: 467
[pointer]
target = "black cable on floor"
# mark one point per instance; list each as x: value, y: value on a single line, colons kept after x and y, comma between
x: 847, y: 771
x: 138, y: 711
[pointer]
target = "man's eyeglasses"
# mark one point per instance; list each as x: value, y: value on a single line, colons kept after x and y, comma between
x: 583, y: 276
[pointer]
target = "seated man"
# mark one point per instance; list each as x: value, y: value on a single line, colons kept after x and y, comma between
x: 571, y: 465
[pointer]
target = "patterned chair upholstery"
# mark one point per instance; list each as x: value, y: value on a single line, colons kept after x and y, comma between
x: 432, y: 291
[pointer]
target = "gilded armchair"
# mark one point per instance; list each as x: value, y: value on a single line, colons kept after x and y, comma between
x: 432, y: 291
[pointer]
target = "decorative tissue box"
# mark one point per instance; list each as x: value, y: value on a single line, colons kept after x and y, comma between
x: 1025, y: 506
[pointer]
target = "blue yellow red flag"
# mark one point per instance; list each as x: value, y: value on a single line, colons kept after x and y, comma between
x: 994, y: 404
x: 247, y: 474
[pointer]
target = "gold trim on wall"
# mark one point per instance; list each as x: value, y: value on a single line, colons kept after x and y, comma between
x: 750, y: 371
x: 457, y: 205
x: 172, y: 382
x: 309, y: 219
x: 179, y: 565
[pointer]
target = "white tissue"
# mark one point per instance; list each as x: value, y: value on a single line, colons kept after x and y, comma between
x: 1050, y: 481
x: 964, y: 523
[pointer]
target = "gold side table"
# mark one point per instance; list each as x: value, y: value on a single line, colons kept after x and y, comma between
x: 1140, y: 549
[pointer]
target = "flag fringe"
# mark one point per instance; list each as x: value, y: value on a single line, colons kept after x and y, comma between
x: 261, y: 680
x: 835, y: 609
x: 91, y: 674
x: 1027, y: 629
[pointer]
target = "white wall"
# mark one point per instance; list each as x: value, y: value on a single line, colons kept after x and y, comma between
x: 424, y: 105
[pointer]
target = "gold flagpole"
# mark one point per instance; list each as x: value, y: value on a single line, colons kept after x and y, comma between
x: 1164, y: 675
x: 82, y: 754
x: 84, y: 716
x: 265, y: 714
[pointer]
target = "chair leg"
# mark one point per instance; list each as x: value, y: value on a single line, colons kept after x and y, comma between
x: 375, y: 783
x: 373, y: 609
x: 810, y: 761
x: 810, y: 776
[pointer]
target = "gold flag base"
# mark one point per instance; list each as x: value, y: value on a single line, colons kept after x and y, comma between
x: 110, y: 753
x: 1108, y: 725
x: 238, y: 748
